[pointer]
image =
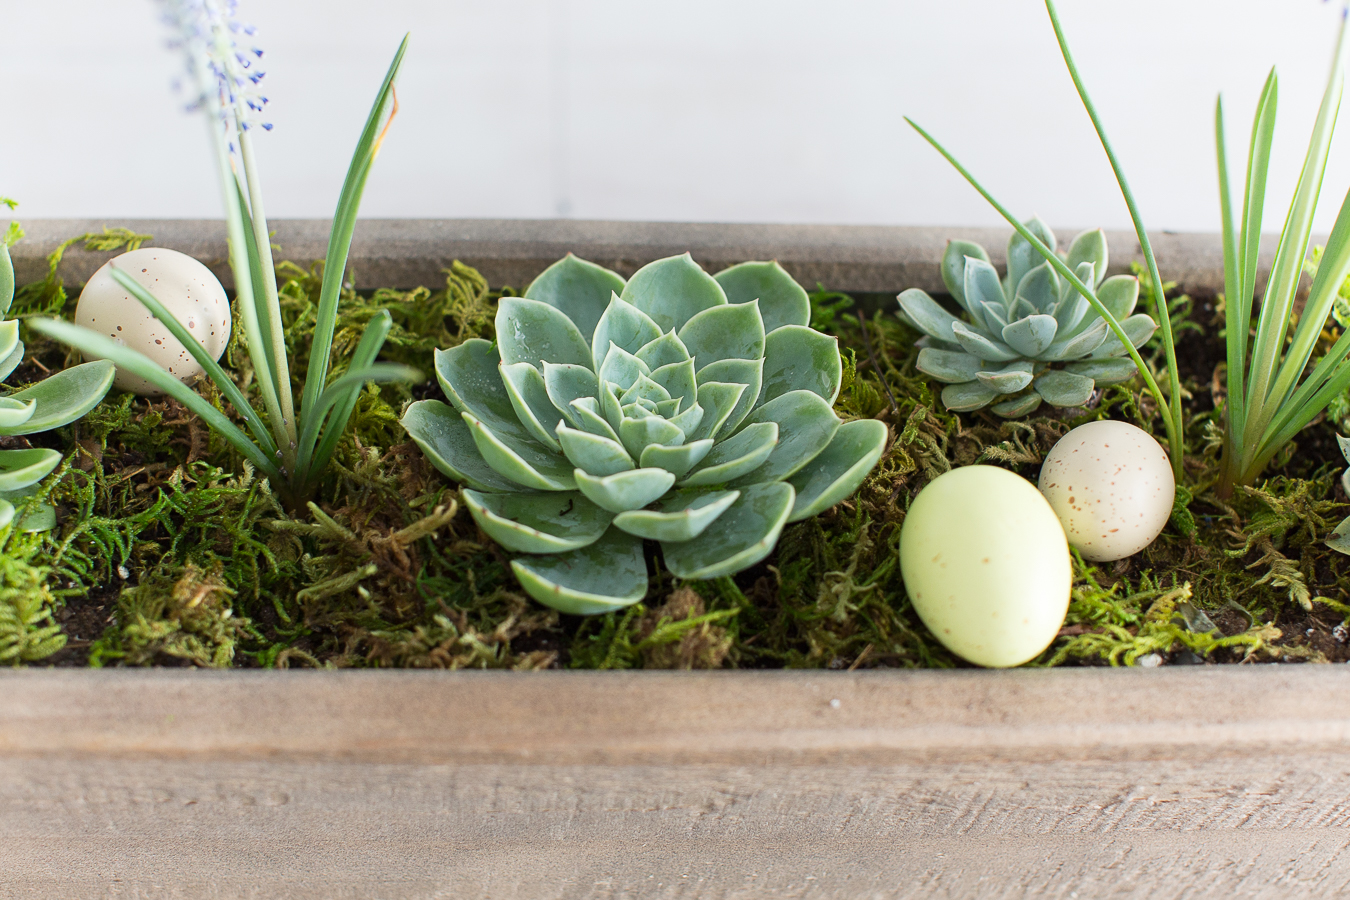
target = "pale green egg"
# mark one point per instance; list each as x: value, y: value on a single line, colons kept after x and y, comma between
x: 986, y: 565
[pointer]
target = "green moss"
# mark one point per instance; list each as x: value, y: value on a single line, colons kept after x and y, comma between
x: 200, y: 565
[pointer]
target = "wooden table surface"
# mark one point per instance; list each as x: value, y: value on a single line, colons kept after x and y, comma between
x: 1183, y: 782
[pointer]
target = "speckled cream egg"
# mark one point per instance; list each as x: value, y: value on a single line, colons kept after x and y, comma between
x: 1111, y: 485
x: 187, y: 289
x: 986, y: 565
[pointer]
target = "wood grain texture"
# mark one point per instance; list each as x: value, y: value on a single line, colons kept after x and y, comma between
x: 406, y: 253
x: 1197, y: 782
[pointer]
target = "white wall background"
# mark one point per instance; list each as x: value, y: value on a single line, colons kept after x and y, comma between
x: 699, y: 110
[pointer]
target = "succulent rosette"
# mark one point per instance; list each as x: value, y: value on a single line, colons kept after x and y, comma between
x: 692, y: 411
x: 1029, y: 337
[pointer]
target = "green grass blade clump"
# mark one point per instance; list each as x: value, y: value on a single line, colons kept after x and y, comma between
x: 291, y: 447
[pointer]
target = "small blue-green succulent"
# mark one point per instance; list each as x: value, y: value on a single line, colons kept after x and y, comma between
x: 679, y: 408
x: 51, y: 403
x: 1030, y: 336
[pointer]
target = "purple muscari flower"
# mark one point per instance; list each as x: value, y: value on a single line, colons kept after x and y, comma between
x: 218, y: 65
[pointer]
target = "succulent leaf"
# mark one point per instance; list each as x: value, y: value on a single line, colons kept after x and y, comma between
x: 782, y: 301
x: 526, y: 463
x: 593, y: 453
x: 736, y: 456
x: 580, y: 289
x: 624, y: 325
x: 749, y: 372
x: 1080, y: 344
x: 689, y: 420
x: 738, y: 538
x: 1104, y: 371
x: 1089, y: 247
x: 839, y: 469
x: 1010, y: 379
x: 538, y: 522
x: 954, y: 267
x: 623, y: 491
x: 1017, y: 406
x: 638, y: 434
x: 672, y: 291
x: 444, y: 437
x: 1031, y: 335
x: 666, y: 350
x: 62, y: 398
x: 470, y: 375
x: 719, y: 400
x: 1119, y: 294
x: 567, y: 383
x: 983, y: 289
x: 926, y: 315
x: 9, y: 363
x: 532, y: 331
x: 680, y: 516
x: 800, y: 358
x: 621, y: 368
x: 14, y: 413
x: 1022, y: 257
x: 977, y: 344
x: 9, y: 337
x: 20, y: 469
x: 590, y: 420
x: 600, y: 577
x: 948, y: 366
x: 679, y: 381
x: 806, y: 423
x: 1138, y: 328
x: 644, y: 389
x: 679, y: 459
x: 529, y: 397
x: 729, y: 331
x: 1039, y: 288
x: 1060, y: 388
x: 967, y: 396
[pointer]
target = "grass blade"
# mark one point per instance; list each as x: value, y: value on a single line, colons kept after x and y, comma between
x: 255, y: 267
x: 372, y: 340
x: 1290, y: 265
x: 1236, y: 326
x: 1273, y: 322
x: 378, y: 373
x: 340, y: 238
x: 1253, y: 203
x: 1175, y: 433
x: 213, y: 369
x: 94, y: 344
x: 265, y: 276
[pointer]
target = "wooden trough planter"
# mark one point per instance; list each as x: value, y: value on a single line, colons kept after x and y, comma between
x: 1225, y: 781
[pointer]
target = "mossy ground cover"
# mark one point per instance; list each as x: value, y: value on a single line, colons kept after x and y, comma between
x: 170, y: 551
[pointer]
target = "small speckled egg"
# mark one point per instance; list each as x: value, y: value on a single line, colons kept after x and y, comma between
x: 187, y: 289
x: 1111, y: 485
x: 986, y: 565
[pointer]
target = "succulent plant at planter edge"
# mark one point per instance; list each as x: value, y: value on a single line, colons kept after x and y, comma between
x: 677, y: 407
x: 51, y: 403
x: 1022, y: 326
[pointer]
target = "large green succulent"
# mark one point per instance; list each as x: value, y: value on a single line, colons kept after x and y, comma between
x: 678, y: 408
x: 1030, y: 336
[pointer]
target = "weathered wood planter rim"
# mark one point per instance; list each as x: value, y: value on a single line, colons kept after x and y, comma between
x: 1204, y: 781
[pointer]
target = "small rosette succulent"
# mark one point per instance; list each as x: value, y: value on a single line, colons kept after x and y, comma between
x: 679, y: 408
x: 1031, y: 336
